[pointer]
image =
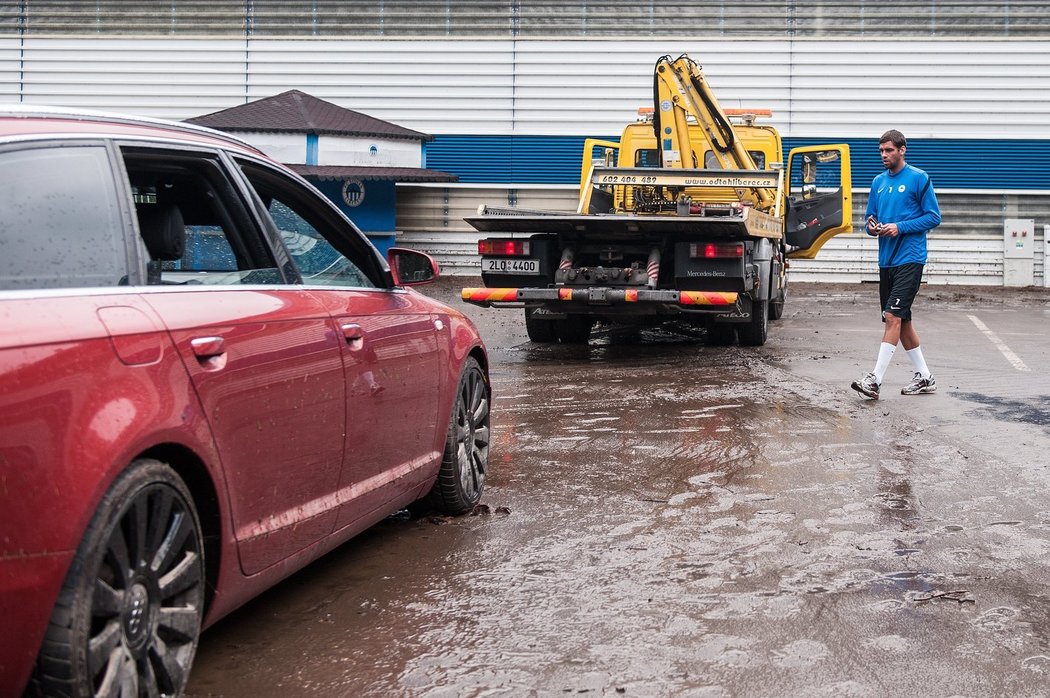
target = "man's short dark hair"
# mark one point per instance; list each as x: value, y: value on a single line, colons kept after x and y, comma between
x: 895, y: 137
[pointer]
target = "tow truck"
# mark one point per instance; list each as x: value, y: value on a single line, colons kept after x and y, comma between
x: 691, y: 216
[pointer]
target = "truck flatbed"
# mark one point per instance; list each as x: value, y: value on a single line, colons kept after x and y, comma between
x: 750, y: 223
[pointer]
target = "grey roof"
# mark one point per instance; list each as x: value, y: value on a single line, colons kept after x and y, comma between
x: 297, y: 112
x: 396, y: 174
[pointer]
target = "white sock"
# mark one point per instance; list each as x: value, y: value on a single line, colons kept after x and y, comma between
x: 918, y: 361
x: 885, y: 354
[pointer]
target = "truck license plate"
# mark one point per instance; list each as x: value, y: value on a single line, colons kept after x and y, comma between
x: 500, y: 265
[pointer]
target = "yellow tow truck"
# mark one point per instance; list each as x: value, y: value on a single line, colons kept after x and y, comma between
x: 691, y: 217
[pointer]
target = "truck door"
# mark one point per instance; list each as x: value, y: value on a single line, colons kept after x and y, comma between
x: 819, y: 195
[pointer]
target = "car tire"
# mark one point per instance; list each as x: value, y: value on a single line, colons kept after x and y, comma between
x: 465, y: 462
x: 128, y: 617
x: 539, y: 330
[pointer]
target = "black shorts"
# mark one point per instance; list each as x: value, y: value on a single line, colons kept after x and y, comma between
x: 897, y: 289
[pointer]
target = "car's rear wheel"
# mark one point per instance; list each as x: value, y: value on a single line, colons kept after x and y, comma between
x: 466, y: 458
x: 129, y: 614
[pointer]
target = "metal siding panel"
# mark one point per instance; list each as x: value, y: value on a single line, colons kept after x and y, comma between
x: 508, y: 159
x: 826, y: 89
x: 933, y: 89
x: 551, y: 98
x: 852, y: 258
x: 10, y: 70
x: 338, y: 18
x: 112, y: 17
x: 845, y: 259
x: 535, y: 19
x: 814, y: 88
x: 448, y: 86
x: 966, y: 248
x: 168, y: 78
x: 954, y: 163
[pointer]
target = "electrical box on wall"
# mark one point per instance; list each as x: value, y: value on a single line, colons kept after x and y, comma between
x: 1018, y: 252
x: 1019, y: 238
x: 1046, y: 256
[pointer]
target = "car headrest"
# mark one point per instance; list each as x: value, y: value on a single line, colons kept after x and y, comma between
x: 162, y: 230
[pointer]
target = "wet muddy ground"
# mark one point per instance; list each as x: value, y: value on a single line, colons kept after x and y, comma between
x: 665, y: 518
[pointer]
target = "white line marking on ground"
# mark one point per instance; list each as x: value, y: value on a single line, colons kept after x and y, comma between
x: 1013, y: 358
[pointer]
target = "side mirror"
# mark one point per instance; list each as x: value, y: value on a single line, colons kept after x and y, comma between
x: 411, y: 268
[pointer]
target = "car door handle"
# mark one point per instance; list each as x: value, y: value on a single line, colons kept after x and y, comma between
x: 208, y: 347
x: 354, y: 334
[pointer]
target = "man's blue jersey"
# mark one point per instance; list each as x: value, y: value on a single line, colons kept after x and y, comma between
x: 907, y: 199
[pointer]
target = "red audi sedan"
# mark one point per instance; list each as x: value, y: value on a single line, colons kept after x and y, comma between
x: 208, y: 379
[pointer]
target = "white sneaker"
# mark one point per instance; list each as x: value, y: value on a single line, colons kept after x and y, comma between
x: 868, y: 385
x: 920, y: 385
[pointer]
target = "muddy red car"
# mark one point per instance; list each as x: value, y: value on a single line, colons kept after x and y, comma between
x: 208, y: 379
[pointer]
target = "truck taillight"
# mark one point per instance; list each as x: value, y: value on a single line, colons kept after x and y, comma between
x: 714, y: 250
x: 503, y: 248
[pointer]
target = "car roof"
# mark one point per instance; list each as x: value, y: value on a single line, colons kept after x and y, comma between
x: 20, y: 122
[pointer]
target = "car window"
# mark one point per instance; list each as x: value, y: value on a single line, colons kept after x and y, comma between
x: 60, y: 224
x: 194, y: 224
x: 319, y: 247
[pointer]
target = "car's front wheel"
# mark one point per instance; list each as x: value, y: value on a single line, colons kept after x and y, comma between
x: 129, y: 614
x: 466, y: 457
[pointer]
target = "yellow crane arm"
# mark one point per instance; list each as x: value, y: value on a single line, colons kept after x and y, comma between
x: 680, y: 91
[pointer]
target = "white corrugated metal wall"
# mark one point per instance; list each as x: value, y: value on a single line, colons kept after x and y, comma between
x: 933, y: 89
x: 816, y: 87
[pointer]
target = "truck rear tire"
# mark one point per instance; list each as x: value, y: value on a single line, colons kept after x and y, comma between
x: 754, y: 333
x: 776, y: 305
x: 721, y: 334
x: 539, y: 330
x: 575, y: 329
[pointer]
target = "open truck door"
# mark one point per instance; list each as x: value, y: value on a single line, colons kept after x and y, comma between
x: 819, y: 195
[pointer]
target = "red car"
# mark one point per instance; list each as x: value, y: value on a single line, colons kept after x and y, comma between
x: 208, y: 379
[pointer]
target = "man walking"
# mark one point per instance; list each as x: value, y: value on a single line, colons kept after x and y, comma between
x: 902, y: 209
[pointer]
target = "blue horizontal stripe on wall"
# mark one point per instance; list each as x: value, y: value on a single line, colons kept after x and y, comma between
x: 961, y: 163
x: 508, y: 159
x: 952, y: 163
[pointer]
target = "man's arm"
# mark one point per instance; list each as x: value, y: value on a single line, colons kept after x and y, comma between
x: 871, y: 221
x: 929, y: 213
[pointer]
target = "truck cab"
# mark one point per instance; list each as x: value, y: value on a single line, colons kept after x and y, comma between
x: 817, y: 181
